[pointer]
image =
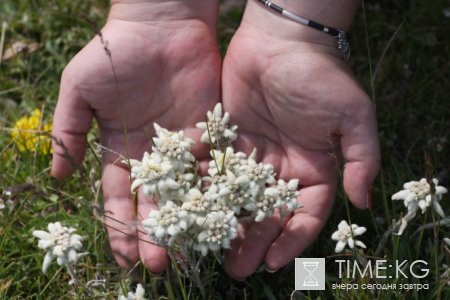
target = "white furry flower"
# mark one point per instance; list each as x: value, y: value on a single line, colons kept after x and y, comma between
x: 174, y: 146
x: 196, y: 204
x: 137, y: 295
x: 61, y: 243
x: 216, y: 128
x: 217, y: 230
x: 236, y: 192
x: 265, y: 204
x: 205, y: 207
x: 229, y: 160
x: 219, y: 161
x: 185, y: 180
x: 345, y: 235
x: 259, y: 174
x: 216, y: 197
x: 283, y: 195
x: 418, y: 194
x: 170, y: 220
x: 153, y: 173
x: 287, y: 194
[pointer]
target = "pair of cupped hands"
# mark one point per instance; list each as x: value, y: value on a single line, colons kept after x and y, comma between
x: 296, y: 102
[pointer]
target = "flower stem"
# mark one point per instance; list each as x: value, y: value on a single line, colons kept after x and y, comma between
x: 71, y: 271
x: 436, y: 245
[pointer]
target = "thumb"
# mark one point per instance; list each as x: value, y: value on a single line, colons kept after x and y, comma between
x: 360, y: 148
x: 71, y: 122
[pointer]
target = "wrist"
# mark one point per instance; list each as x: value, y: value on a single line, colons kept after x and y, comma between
x: 331, y: 13
x: 161, y: 11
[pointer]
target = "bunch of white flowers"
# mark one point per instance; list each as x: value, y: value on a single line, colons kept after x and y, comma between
x: 420, y: 194
x: 62, y: 243
x: 206, y: 209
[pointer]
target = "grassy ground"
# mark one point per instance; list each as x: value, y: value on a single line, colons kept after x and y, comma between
x: 400, y: 52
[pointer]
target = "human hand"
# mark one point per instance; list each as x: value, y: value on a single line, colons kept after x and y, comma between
x: 167, y: 67
x: 297, y: 102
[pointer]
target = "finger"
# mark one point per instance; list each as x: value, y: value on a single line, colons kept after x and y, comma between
x: 120, y: 214
x: 249, y: 248
x: 153, y: 257
x: 198, y: 149
x: 305, y: 225
x: 359, y: 144
x: 71, y: 122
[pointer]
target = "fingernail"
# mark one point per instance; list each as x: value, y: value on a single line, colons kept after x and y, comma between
x: 369, y: 198
x: 271, y: 270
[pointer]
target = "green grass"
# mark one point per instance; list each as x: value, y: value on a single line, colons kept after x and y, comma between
x: 411, y: 92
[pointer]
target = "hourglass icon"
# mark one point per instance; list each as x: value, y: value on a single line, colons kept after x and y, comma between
x: 310, y: 267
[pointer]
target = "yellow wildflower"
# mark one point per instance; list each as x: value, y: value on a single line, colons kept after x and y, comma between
x: 30, y: 134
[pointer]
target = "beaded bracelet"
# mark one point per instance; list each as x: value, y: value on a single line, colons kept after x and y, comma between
x: 342, y: 43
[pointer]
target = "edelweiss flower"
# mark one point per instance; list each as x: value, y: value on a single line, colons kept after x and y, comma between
x: 216, y: 199
x: 218, y: 229
x: 60, y: 242
x: 228, y: 160
x: 418, y: 194
x: 216, y: 128
x: 283, y: 196
x: 185, y: 180
x: 205, y: 207
x: 287, y: 194
x: 260, y: 175
x: 195, y: 204
x: 265, y: 204
x: 236, y: 192
x: 345, y: 235
x: 154, y: 173
x: 170, y: 220
x: 174, y: 146
x: 219, y: 161
x: 138, y: 295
